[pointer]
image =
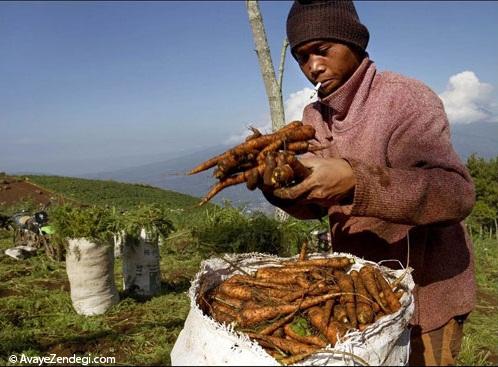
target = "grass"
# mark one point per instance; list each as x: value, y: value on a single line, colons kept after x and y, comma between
x: 37, y: 317
x: 480, y: 341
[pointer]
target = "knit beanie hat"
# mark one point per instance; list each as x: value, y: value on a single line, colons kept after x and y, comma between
x: 321, y: 19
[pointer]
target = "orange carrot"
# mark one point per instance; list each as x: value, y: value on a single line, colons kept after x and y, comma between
x: 367, y: 274
x: 333, y: 330
x: 310, y: 339
x: 389, y: 296
x: 290, y: 346
x: 340, y: 314
x: 364, y: 312
x: 255, y: 133
x: 254, y: 315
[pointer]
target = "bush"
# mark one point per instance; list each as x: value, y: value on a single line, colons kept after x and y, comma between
x: 229, y: 230
x: 91, y: 222
x: 152, y: 218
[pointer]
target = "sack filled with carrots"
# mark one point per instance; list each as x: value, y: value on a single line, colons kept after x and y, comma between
x: 321, y: 309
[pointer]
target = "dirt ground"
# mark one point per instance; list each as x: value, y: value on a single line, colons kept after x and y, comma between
x: 17, y: 189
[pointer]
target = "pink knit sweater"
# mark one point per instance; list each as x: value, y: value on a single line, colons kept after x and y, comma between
x: 394, y: 132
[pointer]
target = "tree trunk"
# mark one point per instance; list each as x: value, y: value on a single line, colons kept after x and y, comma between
x: 272, y: 86
x: 273, y: 89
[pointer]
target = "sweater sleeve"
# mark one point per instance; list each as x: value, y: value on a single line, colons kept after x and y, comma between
x: 424, y: 180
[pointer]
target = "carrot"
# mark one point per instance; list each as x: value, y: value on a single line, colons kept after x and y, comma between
x: 291, y: 125
x: 289, y: 346
x: 367, y: 274
x: 252, y: 179
x: 270, y: 164
x: 299, y: 147
x: 229, y: 181
x: 255, y: 133
x: 391, y: 299
x: 300, y: 170
x: 261, y: 283
x: 294, y: 359
x: 223, y: 313
x: 333, y: 329
x: 236, y: 291
x: 274, y: 146
x: 267, y: 330
x: 362, y: 327
x: 302, y: 253
x: 254, y: 315
x: 327, y: 311
x: 235, y: 303
x: 292, y: 132
x: 283, y: 278
x: 299, y: 133
x: 364, y: 312
x: 207, y: 164
x: 340, y: 314
x: 307, y: 339
x: 279, y: 333
x: 282, y: 176
x: 321, y: 288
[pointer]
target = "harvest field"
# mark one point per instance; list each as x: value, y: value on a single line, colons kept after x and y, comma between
x: 37, y: 317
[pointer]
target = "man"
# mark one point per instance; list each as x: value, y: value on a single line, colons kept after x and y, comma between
x: 390, y: 180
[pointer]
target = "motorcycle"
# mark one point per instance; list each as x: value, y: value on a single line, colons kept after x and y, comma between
x: 33, y: 230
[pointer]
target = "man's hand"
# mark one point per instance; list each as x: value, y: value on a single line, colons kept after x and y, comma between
x: 331, y: 181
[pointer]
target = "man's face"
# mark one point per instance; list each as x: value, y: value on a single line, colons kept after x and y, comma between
x: 327, y: 62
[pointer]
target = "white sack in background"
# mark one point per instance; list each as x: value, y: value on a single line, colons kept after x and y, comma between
x: 118, y: 244
x: 203, y: 341
x: 90, y: 269
x: 141, y: 267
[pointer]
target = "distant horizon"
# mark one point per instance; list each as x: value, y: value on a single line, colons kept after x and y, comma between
x: 485, y: 145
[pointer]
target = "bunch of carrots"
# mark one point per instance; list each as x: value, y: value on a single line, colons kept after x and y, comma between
x: 296, y: 309
x: 263, y: 159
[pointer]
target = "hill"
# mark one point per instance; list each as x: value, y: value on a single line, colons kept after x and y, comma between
x: 171, y: 175
x: 15, y: 190
x: 480, y: 138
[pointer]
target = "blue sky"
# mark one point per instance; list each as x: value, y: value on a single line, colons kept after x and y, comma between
x: 90, y: 86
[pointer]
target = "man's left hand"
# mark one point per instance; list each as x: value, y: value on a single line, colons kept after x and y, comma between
x: 331, y: 180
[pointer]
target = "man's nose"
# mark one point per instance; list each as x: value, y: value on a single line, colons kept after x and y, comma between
x: 316, y: 67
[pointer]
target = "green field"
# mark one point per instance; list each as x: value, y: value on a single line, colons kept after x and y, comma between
x: 37, y: 317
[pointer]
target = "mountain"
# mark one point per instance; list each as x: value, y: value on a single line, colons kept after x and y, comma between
x: 479, y: 138
x: 171, y: 175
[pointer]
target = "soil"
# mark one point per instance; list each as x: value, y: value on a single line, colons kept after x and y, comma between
x: 15, y: 189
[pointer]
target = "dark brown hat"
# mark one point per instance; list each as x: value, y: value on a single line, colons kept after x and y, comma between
x: 320, y: 19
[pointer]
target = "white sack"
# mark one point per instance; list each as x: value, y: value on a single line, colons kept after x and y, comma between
x: 141, y: 267
x: 118, y: 244
x: 203, y: 341
x: 90, y: 269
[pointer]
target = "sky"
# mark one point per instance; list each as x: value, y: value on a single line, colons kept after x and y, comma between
x: 95, y: 86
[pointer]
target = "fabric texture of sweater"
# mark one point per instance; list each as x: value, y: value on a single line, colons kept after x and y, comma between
x: 411, y: 187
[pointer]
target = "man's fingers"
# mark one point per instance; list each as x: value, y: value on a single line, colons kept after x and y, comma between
x: 307, y: 162
x: 291, y: 193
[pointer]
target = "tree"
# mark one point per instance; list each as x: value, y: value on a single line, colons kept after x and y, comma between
x: 273, y: 85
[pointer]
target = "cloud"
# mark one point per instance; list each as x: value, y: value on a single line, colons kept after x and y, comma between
x: 293, y: 105
x: 467, y: 100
